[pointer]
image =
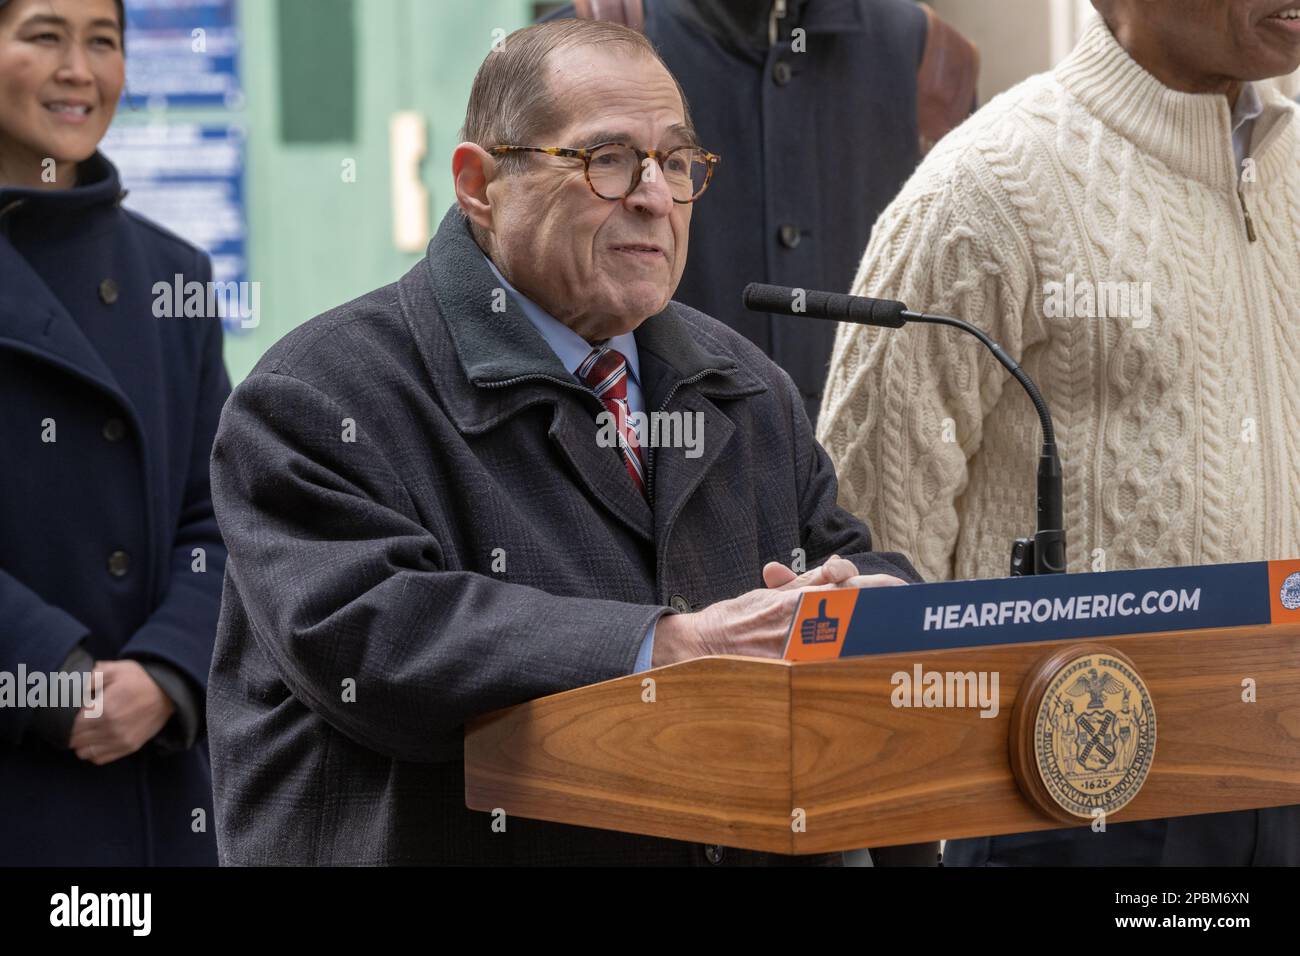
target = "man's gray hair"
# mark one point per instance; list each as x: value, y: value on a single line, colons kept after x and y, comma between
x: 511, y: 102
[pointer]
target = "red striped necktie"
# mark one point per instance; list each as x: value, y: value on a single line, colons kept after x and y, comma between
x: 604, y: 371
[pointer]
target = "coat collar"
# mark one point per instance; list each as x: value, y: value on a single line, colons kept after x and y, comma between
x: 834, y: 16
x: 98, y: 184
x: 34, y: 321
x: 745, y: 26
x: 500, y: 354
x: 499, y: 365
x: 32, y: 318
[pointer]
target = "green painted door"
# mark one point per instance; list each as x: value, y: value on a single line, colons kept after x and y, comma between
x: 323, y: 81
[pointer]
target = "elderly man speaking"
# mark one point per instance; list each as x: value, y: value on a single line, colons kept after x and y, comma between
x: 426, y: 517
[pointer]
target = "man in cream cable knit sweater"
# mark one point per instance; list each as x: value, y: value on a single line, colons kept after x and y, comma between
x: 1098, y: 222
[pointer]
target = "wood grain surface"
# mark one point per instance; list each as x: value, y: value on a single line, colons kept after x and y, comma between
x: 732, y: 749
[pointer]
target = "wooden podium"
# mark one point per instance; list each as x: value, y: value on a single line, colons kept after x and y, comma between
x: 813, y: 756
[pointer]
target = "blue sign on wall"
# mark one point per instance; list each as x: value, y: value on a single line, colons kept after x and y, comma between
x: 183, y: 53
x: 188, y: 177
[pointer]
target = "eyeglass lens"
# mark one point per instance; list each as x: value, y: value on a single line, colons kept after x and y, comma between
x: 614, y: 167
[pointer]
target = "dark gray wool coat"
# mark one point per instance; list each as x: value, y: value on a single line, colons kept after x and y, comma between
x: 372, y: 559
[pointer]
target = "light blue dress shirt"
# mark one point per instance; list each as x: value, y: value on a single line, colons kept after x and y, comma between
x: 1248, y: 109
x: 572, y: 350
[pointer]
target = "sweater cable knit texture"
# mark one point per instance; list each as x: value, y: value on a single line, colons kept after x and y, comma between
x: 1178, y: 429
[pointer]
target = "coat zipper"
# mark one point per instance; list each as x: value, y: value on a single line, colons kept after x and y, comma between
x: 1251, y: 268
x: 1245, y: 211
x: 1263, y: 147
x: 650, y: 456
x: 537, y: 376
x: 773, y: 29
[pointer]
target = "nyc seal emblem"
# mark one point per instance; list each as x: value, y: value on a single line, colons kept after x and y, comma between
x: 1087, y: 732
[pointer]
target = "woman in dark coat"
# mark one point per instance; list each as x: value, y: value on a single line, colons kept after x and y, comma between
x: 110, y: 558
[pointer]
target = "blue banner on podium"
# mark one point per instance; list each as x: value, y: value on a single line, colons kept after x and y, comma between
x: 1054, y: 607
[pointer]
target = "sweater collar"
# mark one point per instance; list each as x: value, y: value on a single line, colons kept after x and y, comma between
x: 1191, y: 133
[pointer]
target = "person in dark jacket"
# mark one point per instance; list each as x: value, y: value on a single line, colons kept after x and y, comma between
x: 812, y: 105
x: 425, y: 525
x: 110, y: 557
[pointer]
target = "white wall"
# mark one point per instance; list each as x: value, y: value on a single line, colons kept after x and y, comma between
x: 1014, y: 38
x: 1018, y: 38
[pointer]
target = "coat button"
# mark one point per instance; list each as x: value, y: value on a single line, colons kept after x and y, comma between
x: 119, y: 562
x: 790, y: 235
x: 114, y: 429
x: 781, y: 73
x: 680, y: 604
x: 108, y: 292
x: 714, y: 854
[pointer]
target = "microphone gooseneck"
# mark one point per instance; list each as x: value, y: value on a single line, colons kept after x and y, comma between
x: 1044, y: 553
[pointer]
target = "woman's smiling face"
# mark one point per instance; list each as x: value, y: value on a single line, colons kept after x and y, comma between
x: 62, y: 71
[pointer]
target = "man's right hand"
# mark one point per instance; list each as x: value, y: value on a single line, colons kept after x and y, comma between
x: 756, y: 623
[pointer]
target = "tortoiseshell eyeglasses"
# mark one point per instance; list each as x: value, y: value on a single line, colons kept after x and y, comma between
x: 614, y: 170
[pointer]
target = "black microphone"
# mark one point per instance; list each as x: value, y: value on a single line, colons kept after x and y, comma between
x: 1044, y: 553
x: 824, y: 305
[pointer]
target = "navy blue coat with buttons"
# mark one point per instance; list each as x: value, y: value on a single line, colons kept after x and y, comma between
x: 817, y: 134
x: 107, y: 537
